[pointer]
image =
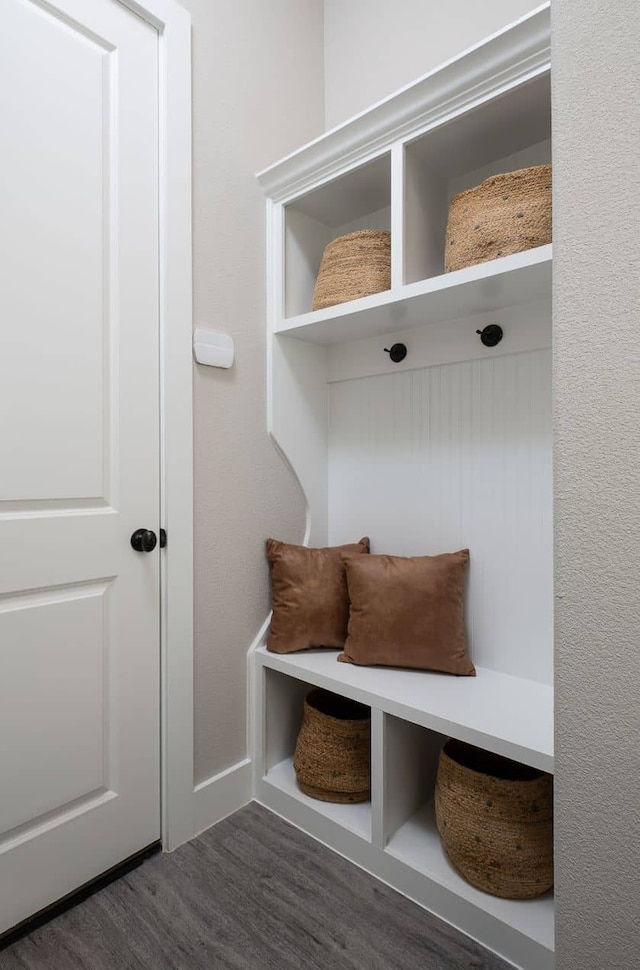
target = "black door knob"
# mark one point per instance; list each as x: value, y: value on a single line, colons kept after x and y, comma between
x: 144, y: 540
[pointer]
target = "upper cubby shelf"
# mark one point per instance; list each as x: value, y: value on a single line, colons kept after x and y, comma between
x: 496, y: 285
x: 509, y: 131
x: 360, y: 199
x: 396, y: 167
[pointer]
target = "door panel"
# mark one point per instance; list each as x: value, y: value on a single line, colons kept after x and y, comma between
x: 79, y: 446
x: 56, y: 176
x: 60, y: 677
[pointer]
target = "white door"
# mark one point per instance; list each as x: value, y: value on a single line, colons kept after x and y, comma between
x: 79, y: 446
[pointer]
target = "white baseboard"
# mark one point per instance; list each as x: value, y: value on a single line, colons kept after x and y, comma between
x: 221, y: 795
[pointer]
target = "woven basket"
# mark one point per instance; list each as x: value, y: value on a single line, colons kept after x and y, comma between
x: 333, y: 751
x: 504, y: 214
x: 495, y: 819
x: 352, y: 266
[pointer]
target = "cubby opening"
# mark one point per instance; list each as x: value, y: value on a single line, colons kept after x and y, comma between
x: 411, y: 757
x: 284, y: 700
x: 361, y: 199
x: 503, y: 134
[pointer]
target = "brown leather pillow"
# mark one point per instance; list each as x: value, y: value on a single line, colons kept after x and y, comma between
x: 309, y: 595
x: 408, y: 612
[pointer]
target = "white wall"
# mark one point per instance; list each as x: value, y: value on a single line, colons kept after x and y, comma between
x: 374, y: 47
x: 454, y: 456
x: 257, y: 94
x: 597, y: 460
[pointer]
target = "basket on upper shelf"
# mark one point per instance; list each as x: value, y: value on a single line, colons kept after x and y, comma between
x: 505, y: 214
x: 355, y: 265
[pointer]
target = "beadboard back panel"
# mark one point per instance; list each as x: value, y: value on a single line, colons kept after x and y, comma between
x: 454, y: 456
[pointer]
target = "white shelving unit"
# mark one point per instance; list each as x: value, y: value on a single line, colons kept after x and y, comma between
x: 495, y: 711
x: 486, y: 288
x: 450, y: 448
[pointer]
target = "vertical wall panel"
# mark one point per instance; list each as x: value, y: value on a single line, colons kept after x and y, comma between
x: 438, y: 459
x: 267, y: 58
x: 596, y: 79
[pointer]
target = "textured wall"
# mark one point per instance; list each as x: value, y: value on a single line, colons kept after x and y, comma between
x: 597, y: 509
x: 374, y: 47
x: 257, y: 95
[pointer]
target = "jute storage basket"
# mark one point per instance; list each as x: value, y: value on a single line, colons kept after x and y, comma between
x: 352, y: 266
x: 504, y: 214
x: 495, y: 819
x: 332, y: 759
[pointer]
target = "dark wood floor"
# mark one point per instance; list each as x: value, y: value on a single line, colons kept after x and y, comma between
x: 252, y: 893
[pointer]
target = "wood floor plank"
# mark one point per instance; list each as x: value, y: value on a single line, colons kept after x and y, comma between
x: 252, y: 893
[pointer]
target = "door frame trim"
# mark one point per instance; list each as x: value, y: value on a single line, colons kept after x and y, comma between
x: 173, y: 24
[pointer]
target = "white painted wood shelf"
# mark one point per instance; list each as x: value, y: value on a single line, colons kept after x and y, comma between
x: 386, y: 835
x: 508, y: 715
x: 356, y: 818
x: 448, y: 449
x: 498, y: 284
x: 418, y: 844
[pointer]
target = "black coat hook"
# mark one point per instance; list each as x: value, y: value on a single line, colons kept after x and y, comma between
x: 491, y: 335
x: 397, y: 352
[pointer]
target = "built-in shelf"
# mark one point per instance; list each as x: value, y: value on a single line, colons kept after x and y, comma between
x: 418, y: 844
x: 501, y: 713
x: 356, y: 817
x: 394, y: 835
x: 447, y: 449
x: 495, y: 285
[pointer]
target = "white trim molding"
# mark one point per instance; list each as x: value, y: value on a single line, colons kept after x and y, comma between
x: 173, y: 24
x: 519, y: 52
x: 221, y: 795
x: 224, y: 793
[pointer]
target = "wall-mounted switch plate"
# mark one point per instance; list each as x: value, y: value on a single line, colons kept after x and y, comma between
x: 212, y: 348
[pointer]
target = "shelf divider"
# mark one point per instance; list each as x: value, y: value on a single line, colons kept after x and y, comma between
x: 378, y: 836
x: 397, y: 217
